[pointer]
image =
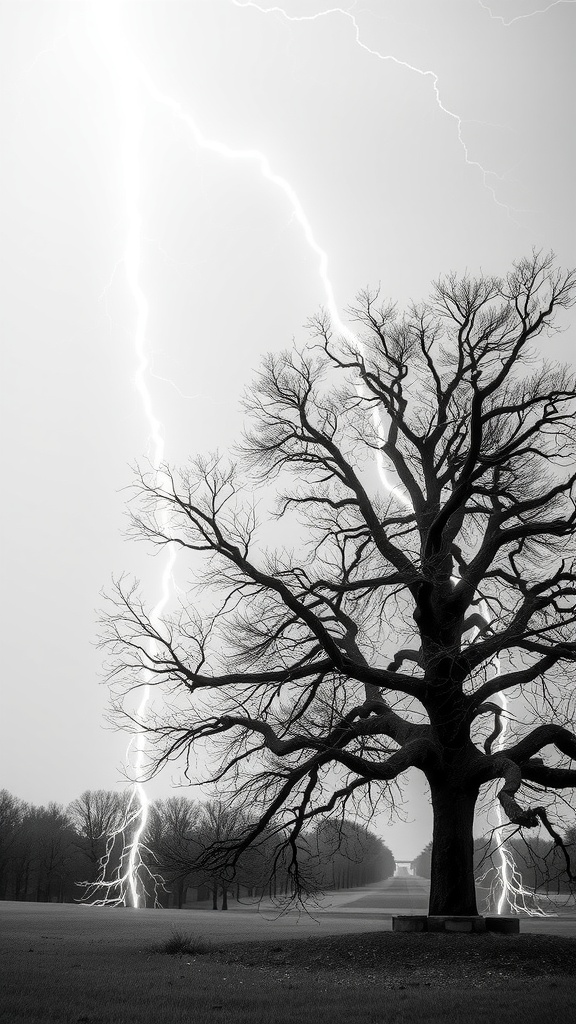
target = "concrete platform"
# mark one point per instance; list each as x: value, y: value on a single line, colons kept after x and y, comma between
x: 503, y: 925
x: 449, y: 923
x: 410, y: 923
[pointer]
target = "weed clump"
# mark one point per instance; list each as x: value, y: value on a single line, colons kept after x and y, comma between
x: 186, y: 943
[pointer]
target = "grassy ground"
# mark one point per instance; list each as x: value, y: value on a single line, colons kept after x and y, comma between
x: 77, y: 966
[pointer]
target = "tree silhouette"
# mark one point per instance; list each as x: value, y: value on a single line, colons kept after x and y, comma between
x: 173, y: 838
x: 96, y: 815
x: 346, y: 854
x: 41, y: 860
x: 315, y: 676
x: 11, y: 814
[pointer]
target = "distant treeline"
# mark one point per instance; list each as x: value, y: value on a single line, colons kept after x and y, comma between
x: 50, y: 853
x: 540, y: 864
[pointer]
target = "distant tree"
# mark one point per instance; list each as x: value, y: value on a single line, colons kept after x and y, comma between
x: 173, y: 837
x: 539, y: 866
x: 179, y: 837
x: 346, y: 855
x: 95, y: 816
x: 262, y: 869
x: 222, y: 825
x: 11, y: 814
x: 43, y: 855
x: 23, y: 857
x: 535, y: 868
x: 423, y: 862
x: 54, y: 853
x: 382, y: 644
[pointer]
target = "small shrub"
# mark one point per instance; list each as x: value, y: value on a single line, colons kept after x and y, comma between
x: 184, y: 942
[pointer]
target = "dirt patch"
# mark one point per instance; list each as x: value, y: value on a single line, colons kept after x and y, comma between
x: 413, y: 959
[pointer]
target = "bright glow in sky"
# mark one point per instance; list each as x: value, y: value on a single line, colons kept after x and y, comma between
x: 396, y: 191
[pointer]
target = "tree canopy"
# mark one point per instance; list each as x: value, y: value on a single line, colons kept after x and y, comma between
x: 414, y: 574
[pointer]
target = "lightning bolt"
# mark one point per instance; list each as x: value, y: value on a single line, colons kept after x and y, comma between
x: 130, y: 71
x: 131, y: 79
x: 128, y: 884
x: 509, y: 878
x: 523, y: 17
x: 506, y: 888
x: 429, y: 74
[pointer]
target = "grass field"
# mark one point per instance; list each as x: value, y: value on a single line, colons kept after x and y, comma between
x: 79, y: 965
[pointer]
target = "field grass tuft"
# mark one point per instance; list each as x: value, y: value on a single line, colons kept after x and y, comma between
x: 186, y: 944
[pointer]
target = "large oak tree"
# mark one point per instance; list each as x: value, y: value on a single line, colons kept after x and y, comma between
x: 373, y: 624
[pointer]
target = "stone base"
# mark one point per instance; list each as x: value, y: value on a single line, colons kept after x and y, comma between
x: 461, y: 923
x: 503, y: 925
x: 409, y: 923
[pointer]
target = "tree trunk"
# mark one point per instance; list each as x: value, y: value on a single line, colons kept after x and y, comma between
x: 452, y: 884
x: 224, y: 898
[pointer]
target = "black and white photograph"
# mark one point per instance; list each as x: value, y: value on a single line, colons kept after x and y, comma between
x: 288, y: 528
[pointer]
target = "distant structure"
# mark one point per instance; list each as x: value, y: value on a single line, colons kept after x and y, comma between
x: 404, y: 869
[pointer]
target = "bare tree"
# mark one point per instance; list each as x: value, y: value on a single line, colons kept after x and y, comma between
x: 42, y: 855
x: 345, y: 854
x: 423, y: 862
x: 173, y: 837
x: 223, y: 826
x: 54, y: 849
x: 390, y: 637
x: 12, y: 811
x: 96, y: 815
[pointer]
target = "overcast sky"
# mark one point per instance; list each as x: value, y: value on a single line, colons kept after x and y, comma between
x: 347, y: 110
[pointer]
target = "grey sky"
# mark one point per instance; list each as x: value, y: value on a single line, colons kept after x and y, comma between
x: 396, y: 191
